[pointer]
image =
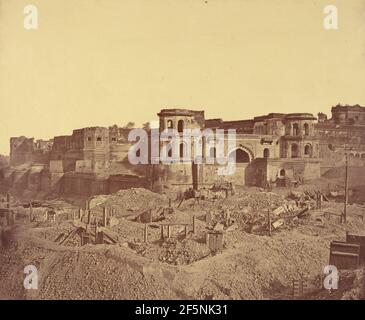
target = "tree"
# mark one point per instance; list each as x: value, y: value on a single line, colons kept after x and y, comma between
x: 129, y: 125
x: 146, y: 126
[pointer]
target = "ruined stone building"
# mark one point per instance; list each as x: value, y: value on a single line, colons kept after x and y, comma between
x: 272, y: 147
x: 267, y: 148
x: 343, y: 133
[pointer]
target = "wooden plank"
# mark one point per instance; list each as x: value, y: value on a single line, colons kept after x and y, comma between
x: 64, y: 241
x: 109, y: 238
x: 360, y: 240
x: 344, y: 255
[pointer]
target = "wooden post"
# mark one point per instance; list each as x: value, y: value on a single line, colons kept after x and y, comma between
x: 46, y: 215
x: 162, y: 231
x: 80, y: 214
x: 194, y: 224
x: 104, y: 216
x: 96, y: 232
x: 346, y: 189
x: 185, y: 231
x: 269, y: 221
x: 8, y: 200
x: 7, y: 216
x: 320, y: 201
x: 88, y: 216
x: 100, y: 238
x: 30, y: 212
x: 169, y: 202
x: 295, y: 287
x: 168, y: 231
x: 8, y: 219
x: 145, y: 232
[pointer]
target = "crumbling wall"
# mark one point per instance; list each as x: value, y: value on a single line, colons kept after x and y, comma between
x: 51, y: 182
x: 21, y: 150
x: 210, y: 174
x: 121, y: 181
x: 83, y: 184
x: 293, y: 169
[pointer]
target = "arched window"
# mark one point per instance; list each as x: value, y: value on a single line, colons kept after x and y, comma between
x: 295, y: 129
x: 169, y: 152
x: 182, y: 147
x: 212, y: 152
x: 306, y: 129
x: 169, y: 124
x: 266, y: 153
x: 180, y: 126
x: 282, y: 173
x: 294, y: 150
x: 308, y: 150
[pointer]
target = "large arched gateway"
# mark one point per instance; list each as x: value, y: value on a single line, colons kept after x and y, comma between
x: 241, y: 155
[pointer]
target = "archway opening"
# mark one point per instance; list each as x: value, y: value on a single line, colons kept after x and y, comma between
x: 169, y: 151
x: 180, y: 126
x: 295, y: 129
x: 308, y: 150
x: 212, y: 153
x: 294, y: 150
x: 182, y: 147
x: 241, y: 156
x: 266, y: 153
x: 306, y: 129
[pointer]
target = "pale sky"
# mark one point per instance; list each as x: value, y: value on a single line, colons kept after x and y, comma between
x: 105, y: 62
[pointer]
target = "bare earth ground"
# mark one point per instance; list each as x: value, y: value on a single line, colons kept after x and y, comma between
x: 252, y: 265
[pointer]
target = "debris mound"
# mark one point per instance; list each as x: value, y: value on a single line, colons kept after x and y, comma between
x: 130, y: 200
x: 182, y: 252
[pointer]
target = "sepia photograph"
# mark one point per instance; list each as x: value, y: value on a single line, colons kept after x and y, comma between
x: 182, y: 150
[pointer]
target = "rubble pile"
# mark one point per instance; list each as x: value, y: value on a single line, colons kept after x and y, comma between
x: 249, y: 211
x: 268, y: 239
x: 130, y: 201
x: 245, y: 208
x: 182, y: 252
